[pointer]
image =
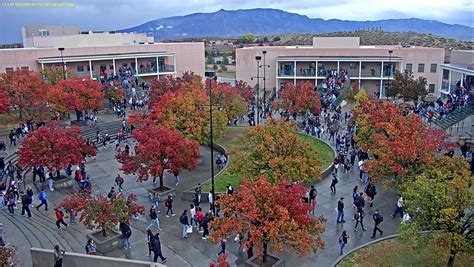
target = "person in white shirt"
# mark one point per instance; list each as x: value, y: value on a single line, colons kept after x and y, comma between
x: 399, y: 208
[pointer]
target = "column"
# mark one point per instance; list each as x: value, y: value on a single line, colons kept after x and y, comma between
x: 294, y: 69
x: 157, y: 68
x: 360, y: 71
x: 90, y: 68
x: 380, y: 90
x: 381, y: 70
x: 462, y: 79
x: 338, y: 66
x: 449, y: 82
x: 42, y: 66
x: 136, y: 65
x: 113, y: 64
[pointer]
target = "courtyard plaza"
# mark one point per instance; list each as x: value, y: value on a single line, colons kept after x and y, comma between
x: 40, y: 230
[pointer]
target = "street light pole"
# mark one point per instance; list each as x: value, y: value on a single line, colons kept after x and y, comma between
x: 212, y: 146
x: 389, y: 72
x: 61, y: 49
x: 264, y: 78
x: 258, y: 58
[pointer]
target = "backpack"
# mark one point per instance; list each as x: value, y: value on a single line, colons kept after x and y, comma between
x: 109, y: 195
x: 312, y: 193
x: 356, y: 216
x: 182, y: 220
x: 336, y: 180
x: 380, y: 217
x: 167, y: 202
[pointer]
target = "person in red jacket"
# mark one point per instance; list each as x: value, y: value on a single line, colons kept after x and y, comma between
x: 59, y: 218
x: 200, y: 217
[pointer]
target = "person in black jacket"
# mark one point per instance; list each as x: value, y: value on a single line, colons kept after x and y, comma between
x: 157, y: 249
x: 183, y: 219
x: 26, y: 201
x: 126, y: 234
x: 378, y: 219
x: 340, y: 211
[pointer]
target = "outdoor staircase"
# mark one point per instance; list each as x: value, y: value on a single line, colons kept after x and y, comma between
x: 454, y: 117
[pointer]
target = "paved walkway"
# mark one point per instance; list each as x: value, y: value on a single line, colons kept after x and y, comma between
x: 40, y: 231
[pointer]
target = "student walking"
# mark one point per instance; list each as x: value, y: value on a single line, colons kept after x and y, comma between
x: 126, y: 234
x: 169, y: 206
x: 340, y: 211
x: 183, y: 219
x: 157, y: 249
x: 59, y: 218
x: 58, y: 256
x: 378, y: 219
x: 222, y: 242
x: 26, y: 201
x: 343, y: 241
x: 334, y: 181
x: 149, y: 241
x: 399, y: 207
x: 44, y: 200
x: 359, y: 217
x: 313, y: 193
x: 154, y: 219
x: 90, y: 247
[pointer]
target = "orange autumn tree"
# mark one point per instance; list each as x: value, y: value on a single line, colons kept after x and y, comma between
x: 276, y: 151
x: 26, y: 92
x: 245, y: 91
x: 186, y: 111
x: 113, y: 92
x: 75, y: 94
x: 401, y: 143
x: 162, y: 86
x: 275, y: 216
x: 300, y: 98
x: 4, y: 104
x: 228, y: 98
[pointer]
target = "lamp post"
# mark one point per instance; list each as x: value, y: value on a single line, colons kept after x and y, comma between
x: 258, y: 58
x: 389, y: 72
x: 264, y: 78
x: 61, y: 49
x: 213, y: 192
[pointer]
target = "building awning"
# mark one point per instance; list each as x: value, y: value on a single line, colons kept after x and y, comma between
x: 461, y: 68
x: 337, y: 58
x: 81, y: 58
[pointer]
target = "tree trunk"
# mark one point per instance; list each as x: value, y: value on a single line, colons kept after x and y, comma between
x: 78, y: 115
x: 104, y: 232
x: 161, y: 182
x: 265, y: 251
x: 451, y: 259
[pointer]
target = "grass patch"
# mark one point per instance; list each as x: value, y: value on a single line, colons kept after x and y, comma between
x: 229, y: 141
x: 394, y: 252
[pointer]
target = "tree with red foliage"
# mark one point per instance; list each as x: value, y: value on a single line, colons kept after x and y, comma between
x: 158, y: 150
x: 245, y: 91
x: 274, y: 216
x: 75, y: 94
x: 224, y: 95
x: 4, y: 104
x: 221, y: 262
x: 300, y: 98
x: 401, y: 143
x: 163, y: 85
x: 26, y: 93
x: 54, y: 147
x: 97, y: 211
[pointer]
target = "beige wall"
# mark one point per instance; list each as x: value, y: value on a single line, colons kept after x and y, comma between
x: 247, y: 67
x: 462, y: 57
x: 88, y: 40
x: 189, y: 56
x: 336, y: 42
x: 55, y: 30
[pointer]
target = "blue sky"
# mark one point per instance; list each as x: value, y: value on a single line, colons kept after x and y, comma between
x: 118, y: 14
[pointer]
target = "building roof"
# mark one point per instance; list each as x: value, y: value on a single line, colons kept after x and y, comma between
x: 463, y: 68
x: 340, y: 58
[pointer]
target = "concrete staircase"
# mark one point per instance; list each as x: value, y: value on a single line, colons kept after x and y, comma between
x: 454, y: 117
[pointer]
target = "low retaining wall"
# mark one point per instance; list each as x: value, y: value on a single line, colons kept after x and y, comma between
x: 45, y: 257
x: 326, y: 172
x: 189, y: 194
x: 341, y: 258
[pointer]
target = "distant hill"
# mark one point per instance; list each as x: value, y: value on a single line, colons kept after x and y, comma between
x: 227, y: 23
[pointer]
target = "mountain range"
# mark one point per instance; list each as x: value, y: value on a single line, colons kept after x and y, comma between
x: 264, y: 21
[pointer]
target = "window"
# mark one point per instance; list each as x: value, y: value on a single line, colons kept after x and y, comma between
x: 431, y: 88
x: 25, y: 68
x: 8, y: 69
x: 409, y: 67
x: 433, y: 68
x: 80, y: 68
x: 111, y: 67
x: 421, y: 67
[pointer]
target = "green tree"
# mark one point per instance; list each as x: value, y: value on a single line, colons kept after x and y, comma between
x: 225, y: 60
x: 276, y: 39
x: 55, y: 73
x: 406, y: 87
x: 249, y: 38
x: 440, y: 201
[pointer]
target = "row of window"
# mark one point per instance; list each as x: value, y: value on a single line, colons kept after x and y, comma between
x: 12, y: 69
x: 80, y: 68
x: 421, y: 67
